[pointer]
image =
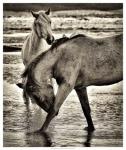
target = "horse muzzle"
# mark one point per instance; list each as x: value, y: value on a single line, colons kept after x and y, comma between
x: 45, y: 104
x: 50, y: 40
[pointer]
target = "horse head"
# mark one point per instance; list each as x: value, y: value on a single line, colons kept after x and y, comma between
x: 42, y: 25
x: 41, y: 93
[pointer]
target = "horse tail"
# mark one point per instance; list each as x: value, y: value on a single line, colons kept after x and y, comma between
x: 28, y: 69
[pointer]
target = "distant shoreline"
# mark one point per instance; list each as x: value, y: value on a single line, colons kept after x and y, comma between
x: 61, y: 6
x: 11, y: 49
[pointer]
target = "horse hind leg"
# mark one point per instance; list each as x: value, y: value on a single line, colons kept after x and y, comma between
x: 82, y: 95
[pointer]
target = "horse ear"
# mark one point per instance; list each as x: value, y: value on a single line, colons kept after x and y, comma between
x: 34, y: 14
x: 48, y: 11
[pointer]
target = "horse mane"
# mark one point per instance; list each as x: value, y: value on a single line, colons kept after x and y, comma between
x: 32, y: 64
x: 57, y: 43
x: 31, y: 41
x: 62, y: 40
x: 78, y: 35
x: 34, y: 40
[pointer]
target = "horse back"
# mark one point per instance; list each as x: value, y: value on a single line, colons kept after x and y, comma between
x: 91, y: 61
x: 102, y: 64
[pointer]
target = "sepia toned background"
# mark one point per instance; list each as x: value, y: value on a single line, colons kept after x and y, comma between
x: 95, y: 20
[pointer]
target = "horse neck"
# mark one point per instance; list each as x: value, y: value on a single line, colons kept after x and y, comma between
x: 34, y: 42
x: 42, y: 46
x: 37, y: 44
x: 44, y: 68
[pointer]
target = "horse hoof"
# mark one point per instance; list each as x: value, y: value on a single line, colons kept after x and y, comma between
x: 42, y: 130
x: 87, y: 144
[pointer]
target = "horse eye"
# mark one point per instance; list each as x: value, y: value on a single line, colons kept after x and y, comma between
x: 39, y: 23
x: 36, y: 22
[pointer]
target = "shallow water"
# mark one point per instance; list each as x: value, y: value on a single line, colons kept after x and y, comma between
x: 89, y: 22
x: 20, y: 121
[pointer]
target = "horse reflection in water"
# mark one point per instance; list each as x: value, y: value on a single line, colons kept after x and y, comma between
x: 37, y: 41
x: 31, y: 137
x: 37, y: 139
x: 75, y: 63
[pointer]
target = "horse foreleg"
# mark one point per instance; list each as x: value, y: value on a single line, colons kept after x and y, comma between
x: 82, y: 94
x: 61, y: 95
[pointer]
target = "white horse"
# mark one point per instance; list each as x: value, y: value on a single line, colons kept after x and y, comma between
x: 37, y: 41
x: 40, y: 37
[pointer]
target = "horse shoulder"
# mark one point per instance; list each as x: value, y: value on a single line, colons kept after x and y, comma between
x: 68, y: 66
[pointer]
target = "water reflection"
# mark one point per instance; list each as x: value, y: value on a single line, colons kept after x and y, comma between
x: 89, y: 137
x: 37, y: 139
